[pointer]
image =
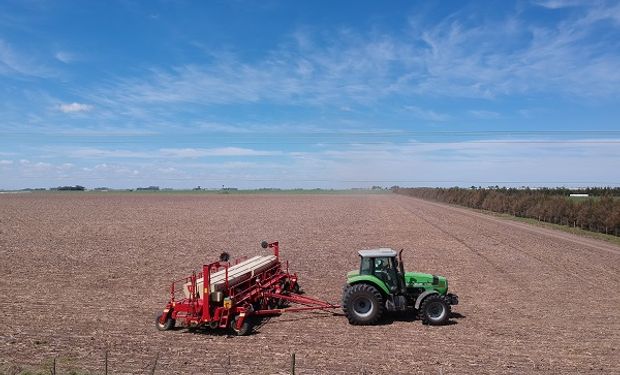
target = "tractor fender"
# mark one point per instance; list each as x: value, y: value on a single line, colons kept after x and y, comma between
x: 421, y: 297
x: 370, y: 279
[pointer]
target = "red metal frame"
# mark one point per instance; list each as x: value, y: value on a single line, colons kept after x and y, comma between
x: 260, y: 295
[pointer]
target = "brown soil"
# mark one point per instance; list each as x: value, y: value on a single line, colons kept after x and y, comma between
x: 83, y: 274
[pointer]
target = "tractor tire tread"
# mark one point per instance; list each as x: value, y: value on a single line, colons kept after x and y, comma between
x: 428, y: 300
x: 349, y: 291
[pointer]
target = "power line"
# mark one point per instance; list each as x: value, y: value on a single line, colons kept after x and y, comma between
x: 353, y: 142
x: 329, y: 138
x: 271, y: 133
x: 325, y: 180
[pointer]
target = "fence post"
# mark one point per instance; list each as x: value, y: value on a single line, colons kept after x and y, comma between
x: 105, y: 363
x: 155, y: 364
x: 293, y: 363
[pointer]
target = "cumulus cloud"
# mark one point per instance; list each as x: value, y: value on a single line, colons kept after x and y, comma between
x: 75, y: 107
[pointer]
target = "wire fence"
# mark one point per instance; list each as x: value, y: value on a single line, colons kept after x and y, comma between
x: 227, y: 367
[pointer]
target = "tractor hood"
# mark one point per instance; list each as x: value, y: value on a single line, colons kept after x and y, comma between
x: 426, y: 281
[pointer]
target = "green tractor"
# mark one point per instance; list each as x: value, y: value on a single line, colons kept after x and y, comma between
x: 382, y: 284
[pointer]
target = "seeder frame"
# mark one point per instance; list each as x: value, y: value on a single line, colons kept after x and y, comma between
x: 266, y: 293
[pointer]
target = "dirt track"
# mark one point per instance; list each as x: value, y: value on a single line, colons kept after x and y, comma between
x: 86, y: 273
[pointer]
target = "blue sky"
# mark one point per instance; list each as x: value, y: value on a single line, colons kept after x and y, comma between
x: 313, y: 94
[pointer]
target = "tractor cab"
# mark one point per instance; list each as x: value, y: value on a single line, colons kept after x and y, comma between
x: 381, y: 263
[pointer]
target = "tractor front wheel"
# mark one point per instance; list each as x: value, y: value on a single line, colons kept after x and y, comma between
x: 168, y: 324
x: 362, y: 304
x: 435, y: 310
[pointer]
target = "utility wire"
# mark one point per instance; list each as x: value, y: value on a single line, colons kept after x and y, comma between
x: 271, y: 133
x: 350, y: 142
x: 328, y: 180
x: 328, y: 138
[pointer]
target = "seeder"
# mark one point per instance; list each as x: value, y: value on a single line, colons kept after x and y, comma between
x: 230, y: 295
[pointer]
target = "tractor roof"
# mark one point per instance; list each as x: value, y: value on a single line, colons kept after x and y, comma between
x: 377, y: 253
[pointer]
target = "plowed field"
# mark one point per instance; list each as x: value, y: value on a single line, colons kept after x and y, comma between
x: 83, y: 274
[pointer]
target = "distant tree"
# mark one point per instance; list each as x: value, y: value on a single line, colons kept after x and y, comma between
x: 600, y: 212
x: 75, y: 188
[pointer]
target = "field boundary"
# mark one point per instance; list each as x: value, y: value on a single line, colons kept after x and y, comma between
x: 572, y: 230
x: 610, y: 240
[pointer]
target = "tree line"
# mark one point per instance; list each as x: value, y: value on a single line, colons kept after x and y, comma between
x: 599, y: 212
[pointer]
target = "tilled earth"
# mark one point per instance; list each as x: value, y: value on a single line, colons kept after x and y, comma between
x: 85, y: 274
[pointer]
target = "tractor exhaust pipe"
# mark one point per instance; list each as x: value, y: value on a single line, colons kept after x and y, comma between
x: 403, y: 284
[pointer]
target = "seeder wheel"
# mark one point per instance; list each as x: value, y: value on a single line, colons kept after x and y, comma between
x: 169, y: 324
x: 297, y: 289
x: 245, y: 327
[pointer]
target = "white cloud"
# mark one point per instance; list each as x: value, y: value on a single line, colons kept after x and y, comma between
x: 557, y: 4
x: 105, y: 153
x: 429, y: 115
x: 41, y: 165
x: 74, y: 107
x: 531, y: 161
x: 450, y: 58
x: 6, y: 162
x: 13, y: 62
x: 484, y: 115
x: 165, y: 153
x: 65, y: 57
x: 223, y: 128
x: 602, y: 13
x: 461, y: 163
x: 221, y: 151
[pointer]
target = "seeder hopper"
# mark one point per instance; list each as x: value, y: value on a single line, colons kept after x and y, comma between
x: 230, y: 295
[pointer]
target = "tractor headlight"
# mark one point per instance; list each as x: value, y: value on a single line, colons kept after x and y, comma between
x: 443, y: 283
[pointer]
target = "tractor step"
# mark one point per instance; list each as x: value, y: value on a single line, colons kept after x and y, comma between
x: 452, y: 299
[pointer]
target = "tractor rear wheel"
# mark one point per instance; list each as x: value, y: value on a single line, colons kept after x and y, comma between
x: 362, y: 304
x: 244, y: 329
x: 168, y: 324
x: 435, y: 310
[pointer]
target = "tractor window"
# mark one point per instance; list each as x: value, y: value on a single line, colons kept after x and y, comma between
x: 383, y: 264
x: 385, y: 270
x: 366, y: 266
